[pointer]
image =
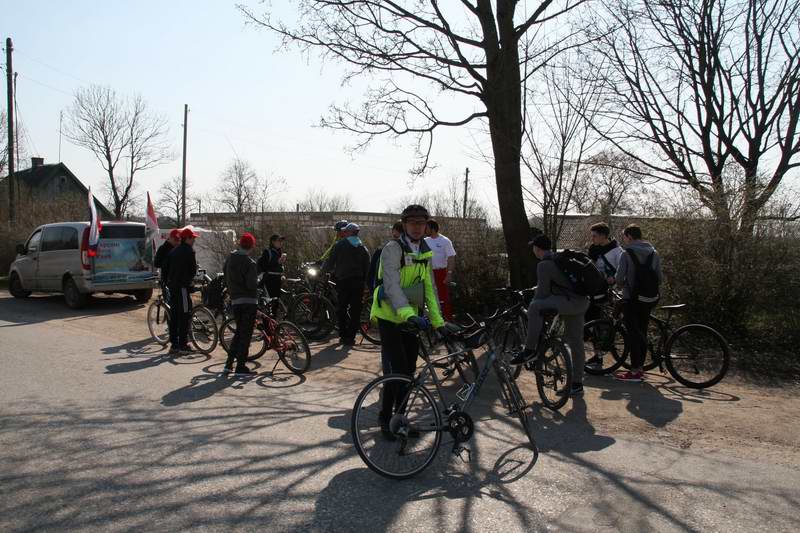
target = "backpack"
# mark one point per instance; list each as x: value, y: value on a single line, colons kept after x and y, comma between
x: 374, y: 263
x: 645, y: 282
x: 213, y: 295
x: 581, y: 272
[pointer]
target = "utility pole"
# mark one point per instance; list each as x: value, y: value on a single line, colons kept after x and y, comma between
x: 10, y: 120
x: 466, y: 188
x: 183, y: 185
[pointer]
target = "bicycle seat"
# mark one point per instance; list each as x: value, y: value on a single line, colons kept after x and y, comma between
x: 675, y: 307
x: 548, y: 313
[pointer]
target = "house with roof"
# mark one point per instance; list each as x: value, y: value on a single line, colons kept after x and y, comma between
x: 49, y: 193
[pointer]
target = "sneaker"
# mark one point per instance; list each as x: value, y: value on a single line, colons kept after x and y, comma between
x: 595, y: 363
x: 186, y: 350
x: 635, y: 377
x: 244, y: 371
x: 522, y: 356
x: 174, y: 350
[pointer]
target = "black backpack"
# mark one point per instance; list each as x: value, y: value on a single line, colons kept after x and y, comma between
x: 214, y: 293
x: 582, y: 273
x: 645, y: 281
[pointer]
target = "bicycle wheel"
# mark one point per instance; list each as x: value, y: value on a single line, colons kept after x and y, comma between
x: 314, y: 315
x: 513, y: 400
x: 604, y: 343
x: 697, y: 356
x: 292, y: 347
x: 554, y: 374
x: 512, y: 340
x: 414, y: 429
x: 369, y: 329
x: 258, y: 342
x: 203, y: 332
x: 158, y: 322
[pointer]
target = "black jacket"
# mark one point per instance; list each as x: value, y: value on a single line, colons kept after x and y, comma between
x: 241, y: 277
x: 161, y: 259
x: 182, y: 266
x: 268, y: 262
x: 348, y: 260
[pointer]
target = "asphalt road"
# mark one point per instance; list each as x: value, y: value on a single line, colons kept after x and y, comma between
x: 99, y: 430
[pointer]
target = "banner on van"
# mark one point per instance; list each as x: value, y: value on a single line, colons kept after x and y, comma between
x: 122, y: 261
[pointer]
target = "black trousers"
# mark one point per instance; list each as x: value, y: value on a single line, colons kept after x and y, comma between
x: 245, y: 316
x: 399, y: 352
x: 180, y: 304
x: 636, y: 317
x: 349, y: 294
x: 273, y: 286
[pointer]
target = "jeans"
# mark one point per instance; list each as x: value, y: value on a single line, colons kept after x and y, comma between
x: 636, y: 317
x: 349, y: 296
x: 180, y: 314
x: 571, y: 311
x: 399, y: 351
x: 245, y: 317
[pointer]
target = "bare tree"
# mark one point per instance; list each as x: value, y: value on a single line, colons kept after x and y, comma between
x: 20, y: 149
x: 445, y: 202
x: 608, y: 184
x: 477, y: 52
x: 318, y: 200
x: 116, y: 129
x: 170, y: 199
x: 242, y: 190
x: 699, y: 85
x: 558, y: 137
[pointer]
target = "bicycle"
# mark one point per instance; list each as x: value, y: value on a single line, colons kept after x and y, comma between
x: 695, y: 355
x: 416, y: 427
x: 553, y: 367
x: 284, y: 337
x: 203, y: 333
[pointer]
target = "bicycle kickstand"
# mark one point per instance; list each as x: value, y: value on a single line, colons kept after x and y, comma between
x: 460, y: 451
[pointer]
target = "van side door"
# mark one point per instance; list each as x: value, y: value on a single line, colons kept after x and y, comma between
x: 59, y: 255
x: 27, y: 264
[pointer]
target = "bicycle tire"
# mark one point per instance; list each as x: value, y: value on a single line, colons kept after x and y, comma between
x: 361, y: 422
x: 157, y: 319
x: 674, y: 362
x: 514, y: 400
x: 512, y: 340
x: 555, y: 366
x: 259, y: 339
x: 369, y: 329
x: 606, y: 341
x: 292, y: 347
x: 203, y: 331
x: 315, y: 315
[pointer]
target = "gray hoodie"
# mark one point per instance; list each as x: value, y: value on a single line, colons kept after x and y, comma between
x: 627, y: 270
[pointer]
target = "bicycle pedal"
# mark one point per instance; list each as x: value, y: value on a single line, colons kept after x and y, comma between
x: 460, y: 451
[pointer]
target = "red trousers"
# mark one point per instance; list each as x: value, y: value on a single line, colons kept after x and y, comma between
x: 439, y: 276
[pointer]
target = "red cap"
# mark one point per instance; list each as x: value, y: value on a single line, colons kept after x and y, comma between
x: 187, y: 233
x: 247, y: 241
x: 175, y: 234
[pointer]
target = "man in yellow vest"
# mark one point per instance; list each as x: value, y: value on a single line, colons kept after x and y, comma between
x: 405, y: 288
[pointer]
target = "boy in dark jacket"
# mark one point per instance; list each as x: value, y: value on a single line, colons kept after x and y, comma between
x: 161, y: 262
x: 349, y: 262
x: 182, y: 270
x: 271, y: 265
x: 241, y: 277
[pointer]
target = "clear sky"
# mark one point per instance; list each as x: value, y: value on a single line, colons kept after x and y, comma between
x: 245, y: 98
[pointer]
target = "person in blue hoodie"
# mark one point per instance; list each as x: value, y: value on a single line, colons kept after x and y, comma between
x: 349, y: 262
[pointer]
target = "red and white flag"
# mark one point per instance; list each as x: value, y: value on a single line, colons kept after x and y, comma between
x: 94, y: 226
x: 151, y: 225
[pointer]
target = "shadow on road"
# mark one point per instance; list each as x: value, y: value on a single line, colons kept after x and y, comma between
x: 645, y: 401
x: 43, y: 308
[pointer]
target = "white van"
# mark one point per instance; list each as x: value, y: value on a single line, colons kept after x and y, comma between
x: 56, y: 258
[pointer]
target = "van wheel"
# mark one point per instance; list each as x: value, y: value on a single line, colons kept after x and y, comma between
x: 143, y: 295
x: 15, y: 287
x: 72, y: 296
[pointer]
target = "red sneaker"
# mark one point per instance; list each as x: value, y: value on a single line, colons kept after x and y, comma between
x: 636, y: 377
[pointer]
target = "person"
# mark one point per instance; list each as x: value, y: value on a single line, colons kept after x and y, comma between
x: 241, y: 277
x: 374, y: 262
x: 554, y: 291
x: 161, y: 262
x: 182, y: 270
x: 406, y: 287
x: 271, y: 264
x: 349, y: 262
x: 639, y: 276
x: 606, y: 253
x: 338, y: 229
x: 444, y: 256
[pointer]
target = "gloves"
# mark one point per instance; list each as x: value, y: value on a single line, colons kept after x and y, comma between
x: 420, y: 322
